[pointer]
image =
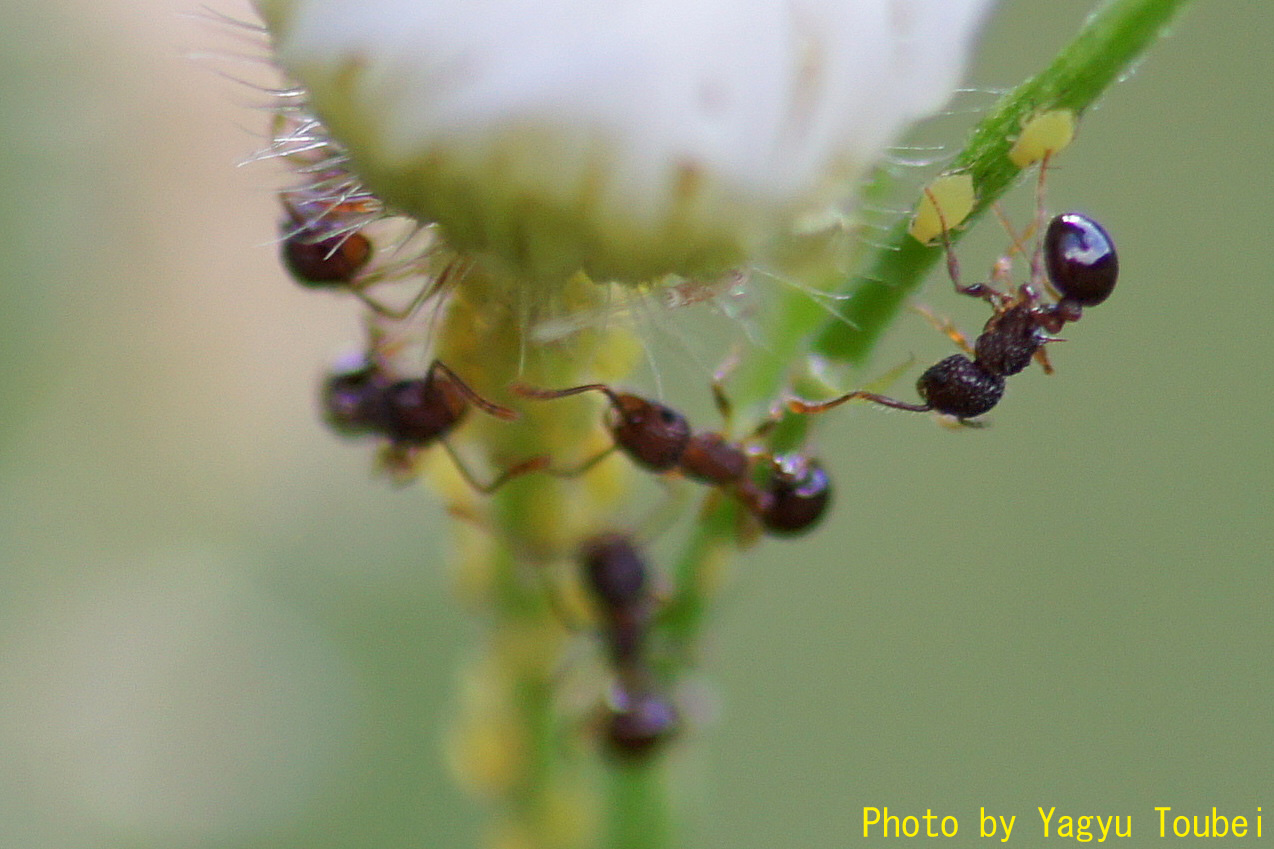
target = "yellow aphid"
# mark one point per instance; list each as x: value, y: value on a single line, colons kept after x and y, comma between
x: 1045, y: 134
x: 952, y: 196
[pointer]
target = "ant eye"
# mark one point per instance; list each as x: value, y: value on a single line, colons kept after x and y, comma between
x: 959, y: 387
x: 330, y: 261
x: 1080, y: 258
x: 799, y: 492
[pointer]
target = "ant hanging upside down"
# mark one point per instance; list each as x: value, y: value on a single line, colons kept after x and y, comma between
x: 639, y: 716
x: 324, y: 245
x: 411, y: 413
x: 792, y: 495
x: 1079, y: 266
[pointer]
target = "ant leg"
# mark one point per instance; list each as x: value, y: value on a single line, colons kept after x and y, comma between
x: 1041, y: 357
x: 429, y: 290
x: 726, y: 408
x: 1037, y: 257
x: 584, y: 467
x: 1017, y: 240
x: 489, y: 407
x: 796, y: 405
x: 533, y: 465
x: 719, y: 397
x: 974, y: 290
x: 549, y: 394
x: 944, y: 325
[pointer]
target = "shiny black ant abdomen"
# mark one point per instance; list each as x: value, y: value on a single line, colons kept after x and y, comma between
x: 1081, y: 260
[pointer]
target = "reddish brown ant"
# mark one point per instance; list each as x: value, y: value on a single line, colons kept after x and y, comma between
x: 323, y: 246
x: 638, y: 716
x: 1079, y: 265
x: 411, y: 413
x: 791, y: 497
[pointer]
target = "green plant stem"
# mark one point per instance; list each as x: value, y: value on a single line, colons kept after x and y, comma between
x: 1109, y: 43
x: 640, y: 805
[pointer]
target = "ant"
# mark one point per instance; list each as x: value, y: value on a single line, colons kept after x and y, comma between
x: 639, y: 717
x: 323, y: 246
x: 412, y: 413
x: 322, y: 243
x: 792, y: 497
x: 1080, y: 268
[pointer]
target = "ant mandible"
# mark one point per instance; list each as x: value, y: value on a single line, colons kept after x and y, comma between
x: 1080, y: 267
x: 411, y: 413
x: 792, y: 498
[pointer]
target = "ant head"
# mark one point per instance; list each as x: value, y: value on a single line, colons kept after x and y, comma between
x: 654, y: 435
x: 350, y: 396
x: 614, y: 571
x: 637, y: 723
x: 959, y: 387
x: 1080, y: 258
x: 795, y: 496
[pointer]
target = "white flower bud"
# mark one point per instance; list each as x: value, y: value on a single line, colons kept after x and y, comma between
x: 630, y: 138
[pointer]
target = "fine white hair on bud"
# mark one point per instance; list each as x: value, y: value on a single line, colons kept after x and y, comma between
x: 626, y: 138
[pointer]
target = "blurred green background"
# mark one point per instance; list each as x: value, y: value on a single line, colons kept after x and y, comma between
x: 217, y: 630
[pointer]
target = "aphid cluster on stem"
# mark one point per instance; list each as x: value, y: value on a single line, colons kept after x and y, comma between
x: 787, y: 494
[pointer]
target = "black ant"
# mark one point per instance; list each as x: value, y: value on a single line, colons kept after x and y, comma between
x: 412, y: 413
x: 639, y: 717
x: 794, y: 492
x: 1080, y: 267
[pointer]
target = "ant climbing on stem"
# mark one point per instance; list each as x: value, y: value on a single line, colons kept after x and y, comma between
x: 794, y: 490
x: 411, y: 413
x: 1075, y: 262
x: 638, y: 716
